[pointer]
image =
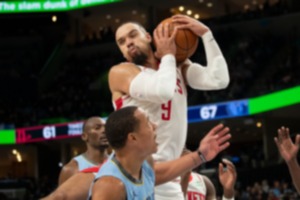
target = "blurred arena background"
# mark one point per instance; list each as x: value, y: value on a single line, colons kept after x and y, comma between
x: 54, y: 62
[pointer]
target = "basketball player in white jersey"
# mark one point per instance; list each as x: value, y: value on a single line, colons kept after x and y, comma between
x: 96, y: 143
x: 157, y: 84
x: 200, y: 187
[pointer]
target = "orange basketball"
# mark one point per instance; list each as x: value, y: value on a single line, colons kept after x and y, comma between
x: 186, y: 41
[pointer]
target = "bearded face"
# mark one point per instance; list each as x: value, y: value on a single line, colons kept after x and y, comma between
x: 140, y: 58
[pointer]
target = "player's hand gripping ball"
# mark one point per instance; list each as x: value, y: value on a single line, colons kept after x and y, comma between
x: 186, y: 41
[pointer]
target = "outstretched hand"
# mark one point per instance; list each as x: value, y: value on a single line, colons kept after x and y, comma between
x: 214, y: 142
x: 287, y: 149
x: 227, y: 176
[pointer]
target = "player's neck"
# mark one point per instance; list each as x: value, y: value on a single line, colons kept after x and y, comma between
x: 130, y: 163
x: 96, y: 156
x: 152, y: 62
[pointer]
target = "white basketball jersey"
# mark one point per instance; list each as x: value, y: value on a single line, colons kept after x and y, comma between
x: 171, y: 119
x: 196, y: 189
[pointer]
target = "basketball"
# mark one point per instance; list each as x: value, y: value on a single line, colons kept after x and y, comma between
x: 186, y: 41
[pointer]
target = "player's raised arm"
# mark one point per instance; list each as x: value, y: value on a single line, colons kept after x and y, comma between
x: 210, y: 146
x: 215, y: 75
x: 227, y: 178
x: 288, y: 151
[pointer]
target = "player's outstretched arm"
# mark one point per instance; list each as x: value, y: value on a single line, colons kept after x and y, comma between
x: 76, y: 187
x: 288, y: 151
x: 210, y: 146
x: 214, y: 142
x: 185, y: 178
x: 227, y: 177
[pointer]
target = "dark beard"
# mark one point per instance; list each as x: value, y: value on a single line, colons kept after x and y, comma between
x: 102, y: 146
x: 140, y: 59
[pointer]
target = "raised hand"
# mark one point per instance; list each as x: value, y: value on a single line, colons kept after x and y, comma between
x: 214, y: 142
x: 287, y: 149
x: 186, y: 22
x: 227, y: 176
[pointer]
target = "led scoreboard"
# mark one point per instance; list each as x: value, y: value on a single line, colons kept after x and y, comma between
x: 218, y: 111
x: 48, y: 132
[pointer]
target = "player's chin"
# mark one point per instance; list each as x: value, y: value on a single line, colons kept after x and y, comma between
x: 155, y: 148
x: 133, y: 54
x: 104, y: 145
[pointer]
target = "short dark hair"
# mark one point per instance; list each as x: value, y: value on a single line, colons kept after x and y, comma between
x: 134, y: 22
x: 119, y: 124
x: 85, y: 123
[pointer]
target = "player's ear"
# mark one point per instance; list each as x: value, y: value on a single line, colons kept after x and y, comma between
x: 131, y: 137
x: 149, y: 37
x: 84, y: 136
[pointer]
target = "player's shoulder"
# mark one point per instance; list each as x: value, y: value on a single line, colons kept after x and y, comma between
x: 107, y: 185
x: 124, y: 70
x: 72, y: 165
x: 123, y: 65
x: 111, y: 182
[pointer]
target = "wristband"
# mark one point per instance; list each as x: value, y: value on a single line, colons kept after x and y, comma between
x: 201, y: 156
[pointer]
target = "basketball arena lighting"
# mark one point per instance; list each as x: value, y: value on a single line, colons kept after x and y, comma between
x: 181, y: 9
x: 17, y: 154
x: 46, y: 6
x: 246, y: 7
x: 209, y: 4
x: 189, y: 12
x: 54, y: 18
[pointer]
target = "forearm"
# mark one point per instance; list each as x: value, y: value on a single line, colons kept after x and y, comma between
x: 215, y: 75
x: 294, y: 169
x: 158, y: 87
x: 169, y: 170
x: 212, y: 49
x: 56, y: 196
x: 65, y: 175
